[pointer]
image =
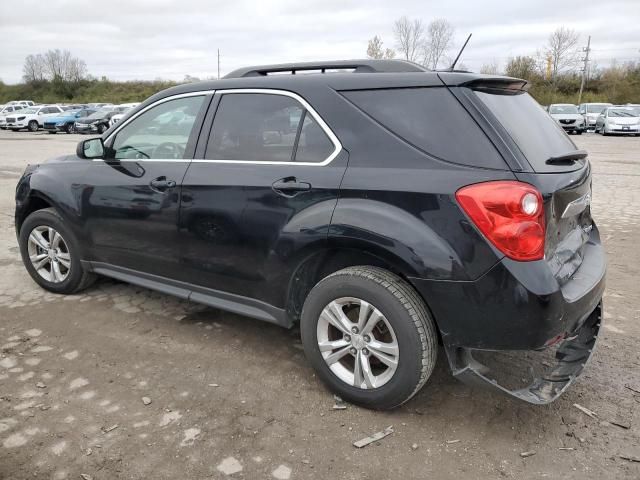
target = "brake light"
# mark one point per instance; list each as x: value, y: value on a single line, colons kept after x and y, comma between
x: 510, y: 214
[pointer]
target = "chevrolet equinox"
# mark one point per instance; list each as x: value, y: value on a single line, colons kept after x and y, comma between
x: 388, y: 210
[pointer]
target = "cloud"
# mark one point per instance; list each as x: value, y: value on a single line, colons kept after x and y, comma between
x: 147, y: 39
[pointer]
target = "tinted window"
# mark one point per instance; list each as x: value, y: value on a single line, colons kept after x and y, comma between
x: 432, y: 120
x: 557, y: 109
x: 313, y: 145
x: 256, y: 127
x: 537, y: 135
x: 161, y: 132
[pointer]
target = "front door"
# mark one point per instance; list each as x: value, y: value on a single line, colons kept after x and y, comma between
x: 263, y: 193
x: 132, y: 197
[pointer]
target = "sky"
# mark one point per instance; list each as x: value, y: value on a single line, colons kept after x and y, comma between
x: 168, y: 39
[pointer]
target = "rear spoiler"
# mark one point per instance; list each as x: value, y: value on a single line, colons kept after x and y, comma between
x: 504, y: 85
x: 489, y: 83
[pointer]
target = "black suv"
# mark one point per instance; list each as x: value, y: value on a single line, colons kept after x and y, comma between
x: 387, y: 209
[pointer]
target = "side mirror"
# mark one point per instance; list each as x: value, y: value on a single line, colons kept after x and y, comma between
x: 90, y: 148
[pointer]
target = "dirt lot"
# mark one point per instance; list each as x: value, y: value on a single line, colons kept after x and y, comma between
x: 230, y: 394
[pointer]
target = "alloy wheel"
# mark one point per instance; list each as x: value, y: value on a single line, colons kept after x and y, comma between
x: 358, y: 343
x: 49, y: 254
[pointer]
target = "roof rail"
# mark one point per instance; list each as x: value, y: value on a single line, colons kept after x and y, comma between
x: 358, y: 66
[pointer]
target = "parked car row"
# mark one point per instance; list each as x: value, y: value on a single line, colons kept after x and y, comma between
x: 80, y: 118
x: 604, y: 118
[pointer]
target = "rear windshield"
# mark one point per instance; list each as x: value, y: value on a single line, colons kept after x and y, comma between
x: 537, y: 135
x: 432, y: 120
x: 596, y: 108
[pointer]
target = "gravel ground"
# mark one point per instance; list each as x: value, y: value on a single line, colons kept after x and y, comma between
x: 232, y: 396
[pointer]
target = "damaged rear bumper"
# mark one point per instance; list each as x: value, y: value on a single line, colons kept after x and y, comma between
x: 571, y: 356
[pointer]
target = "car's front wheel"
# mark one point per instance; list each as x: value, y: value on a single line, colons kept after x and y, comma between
x: 102, y: 128
x: 33, y: 126
x: 369, y: 336
x: 50, y: 253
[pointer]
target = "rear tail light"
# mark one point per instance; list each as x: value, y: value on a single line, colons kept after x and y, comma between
x: 510, y: 214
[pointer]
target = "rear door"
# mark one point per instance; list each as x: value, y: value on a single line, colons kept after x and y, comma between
x: 131, y: 198
x: 262, y: 192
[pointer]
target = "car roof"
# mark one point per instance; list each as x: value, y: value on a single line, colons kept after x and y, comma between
x: 365, y: 74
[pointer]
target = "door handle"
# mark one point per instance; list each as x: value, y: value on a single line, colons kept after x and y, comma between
x: 290, y: 186
x: 161, y: 184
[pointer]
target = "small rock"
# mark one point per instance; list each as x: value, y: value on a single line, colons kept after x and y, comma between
x: 414, y: 446
x: 306, y: 461
x: 527, y: 454
x: 214, y: 385
x: 84, y: 476
x: 41, y: 385
x: 88, y: 452
x: 452, y: 441
x: 146, y: 400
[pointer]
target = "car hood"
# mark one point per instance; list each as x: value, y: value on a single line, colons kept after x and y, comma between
x: 566, y: 116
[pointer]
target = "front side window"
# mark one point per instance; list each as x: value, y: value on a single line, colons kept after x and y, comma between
x: 266, y: 128
x: 161, y: 132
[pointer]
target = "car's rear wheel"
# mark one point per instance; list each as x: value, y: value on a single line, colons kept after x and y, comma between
x: 50, y: 253
x: 369, y: 336
x: 33, y: 126
x: 102, y: 128
x: 69, y: 128
x: 53, y: 132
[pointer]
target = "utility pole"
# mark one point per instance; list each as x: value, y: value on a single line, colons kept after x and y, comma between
x: 584, y: 70
x: 219, y: 63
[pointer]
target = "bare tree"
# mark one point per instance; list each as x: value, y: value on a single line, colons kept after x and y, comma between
x: 562, y: 49
x: 438, y: 42
x: 490, y: 68
x: 62, y: 66
x: 521, y: 67
x: 33, y: 69
x: 375, y: 50
x: 409, y: 35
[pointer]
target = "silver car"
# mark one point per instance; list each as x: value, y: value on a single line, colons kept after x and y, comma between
x: 567, y: 117
x: 590, y: 112
x: 618, y: 120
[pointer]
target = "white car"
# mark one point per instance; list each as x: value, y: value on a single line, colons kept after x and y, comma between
x: 32, y: 118
x: 24, y: 103
x: 8, y: 110
x: 619, y: 120
x: 591, y: 112
x: 567, y: 116
x: 122, y: 110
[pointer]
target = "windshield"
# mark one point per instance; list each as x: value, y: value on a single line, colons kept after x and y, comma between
x: 620, y: 112
x: 99, y: 114
x: 29, y: 110
x: 535, y: 133
x: 596, y: 108
x: 563, y: 109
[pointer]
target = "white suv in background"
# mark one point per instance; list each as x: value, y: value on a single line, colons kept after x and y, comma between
x: 122, y: 110
x: 31, y: 118
x: 7, y: 110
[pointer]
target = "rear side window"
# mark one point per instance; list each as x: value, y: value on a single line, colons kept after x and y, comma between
x: 432, y: 120
x: 537, y: 135
x: 266, y: 128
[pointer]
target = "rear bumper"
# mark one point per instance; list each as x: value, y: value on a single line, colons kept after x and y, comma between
x: 520, y: 306
x: 571, y: 357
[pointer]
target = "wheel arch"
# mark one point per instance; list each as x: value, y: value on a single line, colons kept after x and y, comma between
x: 321, y: 264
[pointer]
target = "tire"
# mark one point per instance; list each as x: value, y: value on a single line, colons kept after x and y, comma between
x: 77, y: 278
x: 579, y: 132
x: 33, y: 126
x: 102, y: 128
x: 52, y: 132
x: 403, y: 310
x: 69, y: 128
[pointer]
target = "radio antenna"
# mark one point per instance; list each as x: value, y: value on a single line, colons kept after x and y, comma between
x: 453, y: 65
